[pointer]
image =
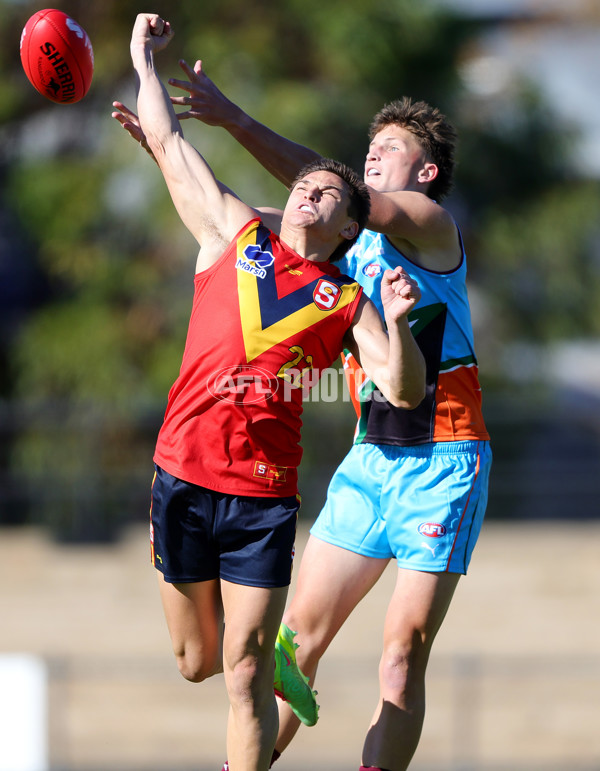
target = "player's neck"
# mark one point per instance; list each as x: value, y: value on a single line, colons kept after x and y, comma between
x: 307, y: 245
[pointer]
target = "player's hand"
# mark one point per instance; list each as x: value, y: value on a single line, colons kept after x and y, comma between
x: 130, y: 122
x: 205, y: 101
x: 399, y: 294
x: 151, y: 32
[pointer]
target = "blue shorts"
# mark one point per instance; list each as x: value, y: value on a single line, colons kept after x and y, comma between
x: 199, y: 535
x: 423, y: 505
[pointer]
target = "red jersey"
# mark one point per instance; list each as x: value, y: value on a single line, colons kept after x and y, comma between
x: 265, y: 323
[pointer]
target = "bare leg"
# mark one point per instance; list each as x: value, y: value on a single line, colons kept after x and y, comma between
x: 331, y: 582
x: 415, y: 614
x: 194, y: 617
x: 252, y: 617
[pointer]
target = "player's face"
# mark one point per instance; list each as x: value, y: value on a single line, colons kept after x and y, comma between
x: 320, y: 198
x: 394, y: 161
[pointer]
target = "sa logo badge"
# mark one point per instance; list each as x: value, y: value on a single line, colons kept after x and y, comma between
x: 326, y: 294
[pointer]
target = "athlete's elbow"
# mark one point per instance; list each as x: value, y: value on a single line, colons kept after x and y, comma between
x: 405, y: 404
x: 407, y: 398
x: 411, y: 389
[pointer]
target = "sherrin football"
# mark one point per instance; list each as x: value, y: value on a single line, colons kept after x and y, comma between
x: 57, y: 56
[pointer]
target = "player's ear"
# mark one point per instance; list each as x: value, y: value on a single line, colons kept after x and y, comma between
x: 350, y: 231
x: 428, y: 173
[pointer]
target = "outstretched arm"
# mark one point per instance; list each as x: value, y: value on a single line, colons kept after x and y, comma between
x: 280, y: 156
x: 419, y: 226
x: 426, y: 229
x: 392, y: 360
x: 129, y: 120
x: 212, y: 213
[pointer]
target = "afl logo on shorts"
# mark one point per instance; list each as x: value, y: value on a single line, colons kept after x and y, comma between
x: 432, y: 529
x: 372, y: 270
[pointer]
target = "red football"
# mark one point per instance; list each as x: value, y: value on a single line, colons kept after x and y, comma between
x: 57, y: 56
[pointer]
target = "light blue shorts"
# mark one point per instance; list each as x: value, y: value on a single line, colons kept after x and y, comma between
x: 422, y: 505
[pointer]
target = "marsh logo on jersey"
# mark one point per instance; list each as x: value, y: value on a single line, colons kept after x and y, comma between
x: 432, y: 529
x: 255, y: 261
x: 372, y: 270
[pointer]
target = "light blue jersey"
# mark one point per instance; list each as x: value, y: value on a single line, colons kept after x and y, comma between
x: 414, y: 485
x: 441, y: 325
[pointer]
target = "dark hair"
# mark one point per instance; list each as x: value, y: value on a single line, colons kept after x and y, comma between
x: 433, y: 132
x: 359, y: 206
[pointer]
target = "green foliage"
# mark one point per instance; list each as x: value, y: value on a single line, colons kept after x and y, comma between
x: 57, y: 199
x: 497, y: 154
x: 543, y: 263
x: 94, y: 361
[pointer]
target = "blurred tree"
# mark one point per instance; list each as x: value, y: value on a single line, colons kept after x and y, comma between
x: 544, y: 264
x: 88, y: 368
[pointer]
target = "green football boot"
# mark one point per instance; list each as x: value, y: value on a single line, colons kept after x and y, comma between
x: 291, y: 684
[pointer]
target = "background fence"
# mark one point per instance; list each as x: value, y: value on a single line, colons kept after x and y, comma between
x: 513, y: 680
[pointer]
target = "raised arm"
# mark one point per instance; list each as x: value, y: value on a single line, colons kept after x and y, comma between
x: 280, y: 156
x: 392, y: 360
x: 426, y: 232
x: 211, y: 212
x: 418, y: 226
x: 424, y: 229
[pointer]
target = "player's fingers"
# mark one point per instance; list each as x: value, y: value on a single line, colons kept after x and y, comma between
x: 124, y: 121
x: 134, y: 131
x: 396, y: 274
x: 388, y: 276
x: 124, y: 109
x: 189, y: 71
x: 404, y: 289
x: 156, y: 24
x: 161, y: 28
x: 184, y: 85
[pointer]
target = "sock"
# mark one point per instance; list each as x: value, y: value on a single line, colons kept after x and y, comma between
x: 273, y: 759
x: 372, y: 768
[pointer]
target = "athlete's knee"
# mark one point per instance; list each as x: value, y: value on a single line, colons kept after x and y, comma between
x: 312, y: 641
x: 250, y: 681
x: 194, y: 666
x: 403, y: 663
